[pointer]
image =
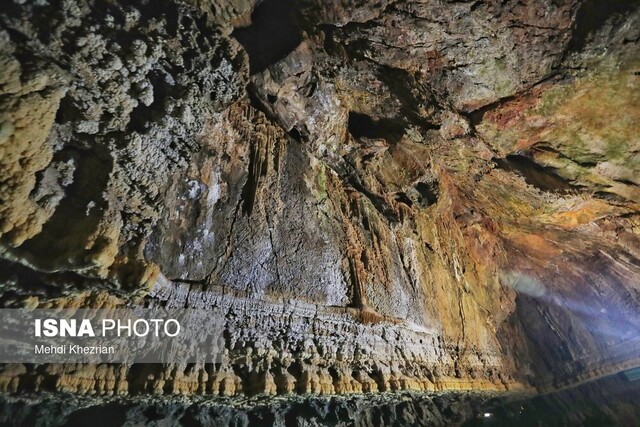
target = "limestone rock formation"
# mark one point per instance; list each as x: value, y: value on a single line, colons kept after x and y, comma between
x: 407, y: 195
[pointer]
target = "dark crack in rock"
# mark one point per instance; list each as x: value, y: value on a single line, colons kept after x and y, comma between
x: 379, y: 197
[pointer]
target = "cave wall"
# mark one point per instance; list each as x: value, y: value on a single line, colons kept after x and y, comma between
x: 408, y: 195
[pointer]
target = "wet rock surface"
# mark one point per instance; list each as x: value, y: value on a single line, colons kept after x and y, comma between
x: 401, y: 409
x: 406, y: 195
x: 608, y: 401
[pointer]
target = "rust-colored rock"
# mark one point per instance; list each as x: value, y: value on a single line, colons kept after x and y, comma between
x: 423, y: 196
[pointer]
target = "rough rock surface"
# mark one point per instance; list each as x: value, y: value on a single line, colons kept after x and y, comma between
x: 606, y: 402
x: 102, y: 105
x: 398, y: 409
x: 422, y: 195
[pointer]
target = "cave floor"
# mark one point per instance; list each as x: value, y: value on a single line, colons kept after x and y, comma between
x: 607, y: 401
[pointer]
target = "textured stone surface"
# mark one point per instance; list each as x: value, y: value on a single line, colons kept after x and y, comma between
x: 103, y: 105
x: 609, y: 401
x: 403, y: 195
x: 398, y: 409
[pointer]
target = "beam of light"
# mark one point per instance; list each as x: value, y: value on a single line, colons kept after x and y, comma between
x: 632, y: 374
x: 602, y: 316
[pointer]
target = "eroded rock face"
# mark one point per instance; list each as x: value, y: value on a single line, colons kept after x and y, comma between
x: 408, y: 195
x: 103, y: 104
x: 615, y: 397
x: 398, y: 409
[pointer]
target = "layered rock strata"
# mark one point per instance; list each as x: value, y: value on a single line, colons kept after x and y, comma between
x: 408, y: 195
x: 607, y: 401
